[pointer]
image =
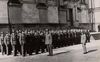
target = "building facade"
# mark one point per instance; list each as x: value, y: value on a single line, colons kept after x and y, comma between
x: 94, y: 5
x: 68, y: 12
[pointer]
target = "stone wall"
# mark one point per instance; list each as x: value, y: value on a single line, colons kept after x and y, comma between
x: 15, y: 14
x: 3, y: 12
x: 30, y: 14
x: 62, y: 16
x: 53, y: 14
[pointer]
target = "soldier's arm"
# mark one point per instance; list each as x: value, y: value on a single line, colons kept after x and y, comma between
x: 11, y: 39
x: 5, y: 39
x: 0, y: 40
x: 20, y: 38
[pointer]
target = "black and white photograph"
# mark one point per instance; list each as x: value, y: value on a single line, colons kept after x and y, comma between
x: 49, y: 30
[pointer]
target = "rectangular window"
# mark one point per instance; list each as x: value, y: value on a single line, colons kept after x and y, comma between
x: 43, y: 15
x: 42, y: 1
x: 62, y: 16
x: 83, y: 1
x: 14, y: 1
x: 71, y: 16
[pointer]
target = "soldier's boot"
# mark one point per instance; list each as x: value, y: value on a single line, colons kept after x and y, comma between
x: 23, y: 51
x: 30, y: 52
x: 2, y: 50
x: 37, y: 51
x: 7, y: 51
x: 50, y: 50
x: 14, y: 51
x: 84, y: 49
x: 42, y: 50
x: 19, y: 49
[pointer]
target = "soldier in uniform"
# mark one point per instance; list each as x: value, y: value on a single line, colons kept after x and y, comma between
x: 65, y: 38
x: 42, y: 42
x: 61, y: 39
x: 22, y: 43
x: 29, y: 41
x: 3, y: 46
x: 69, y: 37
x: 48, y: 42
x: 14, y: 42
x: 54, y: 39
x: 87, y: 36
x: 83, y: 42
x: 58, y: 39
x: 37, y: 42
x: 74, y: 37
x: 8, y: 43
x: 18, y: 42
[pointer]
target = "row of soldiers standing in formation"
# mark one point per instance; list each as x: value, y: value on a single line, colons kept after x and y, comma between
x: 27, y: 42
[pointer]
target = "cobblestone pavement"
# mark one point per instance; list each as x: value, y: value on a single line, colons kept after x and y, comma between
x: 65, y: 54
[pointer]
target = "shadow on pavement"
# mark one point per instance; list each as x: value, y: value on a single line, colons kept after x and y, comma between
x: 92, y: 51
x: 61, y: 53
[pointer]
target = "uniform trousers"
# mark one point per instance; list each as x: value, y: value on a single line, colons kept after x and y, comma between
x: 84, y: 48
x: 8, y: 49
x: 23, y: 49
x: 3, y: 49
x: 50, y: 50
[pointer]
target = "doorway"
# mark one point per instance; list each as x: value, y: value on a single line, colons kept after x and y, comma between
x: 71, y: 16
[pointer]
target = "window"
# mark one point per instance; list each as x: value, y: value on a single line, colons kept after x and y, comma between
x: 43, y: 15
x: 42, y: 1
x: 14, y: 1
x: 83, y: 1
x: 71, y: 16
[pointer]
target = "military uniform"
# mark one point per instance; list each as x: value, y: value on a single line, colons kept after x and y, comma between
x: 22, y: 43
x: 69, y: 38
x: 83, y: 42
x: 3, y: 46
x: 48, y: 42
x: 18, y: 43
x: 7, y: 40
x: 14, y: 43
x: 37, y: 42
x: 42, y: 42
x: 30, y: 44
x: 88, y: 36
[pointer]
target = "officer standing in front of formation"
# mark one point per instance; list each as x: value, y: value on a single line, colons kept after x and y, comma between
x: 3, y: 46
x: 8, y: 43
x: 83, y: 42
x: 48, y: 42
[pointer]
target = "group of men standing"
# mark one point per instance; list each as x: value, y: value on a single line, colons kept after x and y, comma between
x: 24, y: 42
x: 36, y: 41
